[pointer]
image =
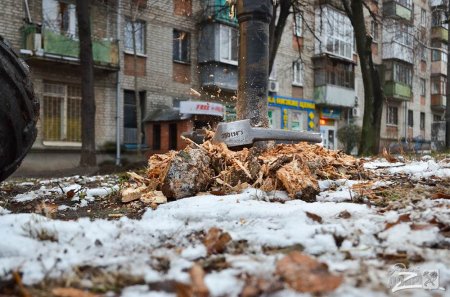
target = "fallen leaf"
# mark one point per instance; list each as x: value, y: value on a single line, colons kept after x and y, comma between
x: 305, y: 274
x: 401, y: 219
x: 199, y: 288
x: 421, y: 226
x: 314, y: 217
x: 72, y: 292
x: 440, y: 195
x: 389, y: 157
x: 344, y: 215
x: 216, y: 241
x: 70, y: 194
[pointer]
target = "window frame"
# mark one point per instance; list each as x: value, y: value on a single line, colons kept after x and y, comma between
x: 128, y: 48
x: 392, y: 116
x: 64, y: 118
x: 298, y: 73
x: 422, y: 121
x: 298, y: 24
x: 229, y: 30
x: 410, y: 118
x: 423, y: 87
x: 182, y: 43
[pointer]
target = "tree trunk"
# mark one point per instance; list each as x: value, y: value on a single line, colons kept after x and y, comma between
x: 88, y: 157
x: 373, y: 93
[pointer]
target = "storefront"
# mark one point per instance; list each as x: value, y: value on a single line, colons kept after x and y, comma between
x: 328, y: 126
x: 291, y: 113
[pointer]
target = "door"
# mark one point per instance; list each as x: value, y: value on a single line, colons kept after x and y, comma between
x: 297, y: 120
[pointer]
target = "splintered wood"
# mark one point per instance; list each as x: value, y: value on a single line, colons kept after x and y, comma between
x: 294, y: 168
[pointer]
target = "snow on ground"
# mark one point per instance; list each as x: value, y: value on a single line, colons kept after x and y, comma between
x: 349, y: 238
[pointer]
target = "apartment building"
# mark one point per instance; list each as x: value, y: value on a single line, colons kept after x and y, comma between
x: 183, y: 64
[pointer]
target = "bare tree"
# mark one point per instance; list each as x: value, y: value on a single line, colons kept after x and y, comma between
x: 88, y: 157
x: 373, y: 94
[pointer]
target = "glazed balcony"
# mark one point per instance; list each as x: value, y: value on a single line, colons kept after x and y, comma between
x: 395, y: 50
x: 439, y: 67
x: 399, y: 91
x: 439, y: 33
x: 332, y: 95
x: 52, y: 46
x: 397, y: 9
x: 438, y: 102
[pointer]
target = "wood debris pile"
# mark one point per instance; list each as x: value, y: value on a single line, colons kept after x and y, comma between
x: 294, y: 168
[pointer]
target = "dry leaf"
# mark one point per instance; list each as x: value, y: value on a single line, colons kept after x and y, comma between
x: 314, y: 217
x: 199, y: 288
x: 440, y: 195
x: 344, y: 215
x: 305, y: 274
x: 401, y: 219
x: 216, y: 241
x: 72, y: 292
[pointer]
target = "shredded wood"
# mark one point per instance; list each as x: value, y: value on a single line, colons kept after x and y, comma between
x: 294, y: 168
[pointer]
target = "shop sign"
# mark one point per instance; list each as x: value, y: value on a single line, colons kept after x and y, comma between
x: 330, y: 113
x: 199, y: 107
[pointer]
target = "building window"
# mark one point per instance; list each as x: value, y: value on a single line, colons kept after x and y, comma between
x: 173, y: 136
x: 404, y: 34
x: 423, y: 17
x: 181, y: 46
x: 423, y: 52
x: 437, y: 118
x: 438, y: 85
x: 405, y: 3
x: 422, y: 121
x: 130, y: 115
x: 338, y: 35
x: 297, y: 73
x: 438, y: 18
x: 228, y: 44
x: 61, y: 112
x: 60, y: 17
x: 438, y: 55
x: 392, y: 116
x: 374, y: 31
x: 156, y: 145
x: 423, y: 88
x: 410, y: 118
x: 403, y: 74
x: 298, y: 24
x: 139, y: 33
x: 334, y: 73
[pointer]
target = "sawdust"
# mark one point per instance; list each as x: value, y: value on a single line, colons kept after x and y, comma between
x: 294, y: 168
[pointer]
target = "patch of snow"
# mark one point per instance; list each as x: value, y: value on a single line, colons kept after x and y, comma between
x: 4, y: 211
x: 194, y: 252
x: 143, y: 291
x: 382, y: 163
x: 224, y: 283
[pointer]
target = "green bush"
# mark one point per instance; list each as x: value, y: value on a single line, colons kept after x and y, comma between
x: 349, y: 136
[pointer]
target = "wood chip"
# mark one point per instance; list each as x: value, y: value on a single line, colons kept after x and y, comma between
x: 132, y: 194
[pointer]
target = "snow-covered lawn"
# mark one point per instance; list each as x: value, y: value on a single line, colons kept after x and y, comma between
x: 357, y: 240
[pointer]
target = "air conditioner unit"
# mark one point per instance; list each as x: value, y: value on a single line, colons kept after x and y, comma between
x: 355, y: 112
x: 274, y: 86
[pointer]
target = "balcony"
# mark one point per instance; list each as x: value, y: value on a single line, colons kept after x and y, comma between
x: 395, y: 50
x: 396, y: 10
x: 332, y: 95
x: 435, y: 3
x: 218, y: 10
x: 52, y: 46
x: 439, y: 67
x: 439, y: 33
x: 438, y: 102
x: 215, y: 76
x: 397, y: 91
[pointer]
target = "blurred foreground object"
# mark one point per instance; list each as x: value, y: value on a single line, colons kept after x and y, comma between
x: 19, y: 110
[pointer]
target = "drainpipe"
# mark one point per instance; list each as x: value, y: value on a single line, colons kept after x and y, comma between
x: 118, y: 88
x: 254, y: 17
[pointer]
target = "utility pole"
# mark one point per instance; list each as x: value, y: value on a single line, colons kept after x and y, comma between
x: 254, y: 18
